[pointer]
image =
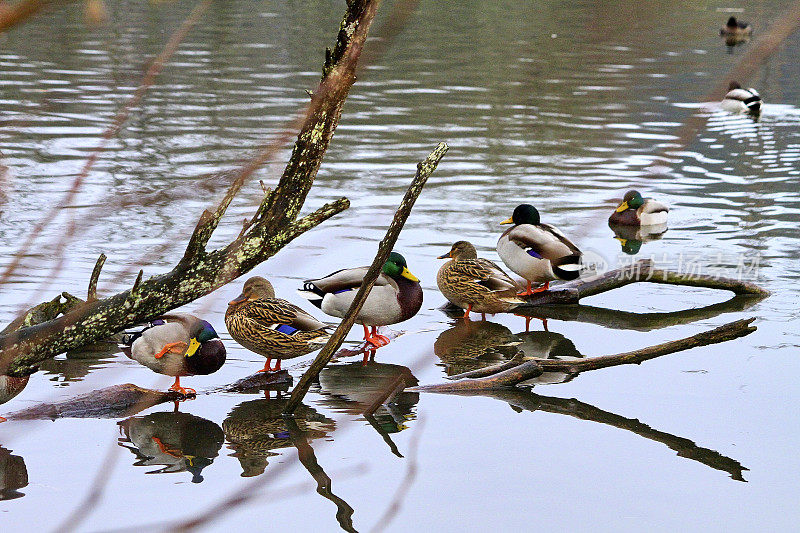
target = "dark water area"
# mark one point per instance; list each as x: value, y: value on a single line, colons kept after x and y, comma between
x: 565, y: 105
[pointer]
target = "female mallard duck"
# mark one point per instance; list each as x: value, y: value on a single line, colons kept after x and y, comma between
x: 538, y: 252
x: 395, y: 297
x: 271, y: 326
x: 740, y: 100
x: 177, y: 344
x: 476, y: 284
x: 637, y: 211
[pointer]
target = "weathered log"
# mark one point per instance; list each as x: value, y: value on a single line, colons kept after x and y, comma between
x: 424, y: 169
x: 117, y: 401
x: 200, y: 272
x: 511, y: 377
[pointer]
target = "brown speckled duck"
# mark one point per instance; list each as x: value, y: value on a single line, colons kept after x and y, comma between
x: 178, y: 344
x: 395, y: 297
x: 272, y: 327
x: 476, y: 284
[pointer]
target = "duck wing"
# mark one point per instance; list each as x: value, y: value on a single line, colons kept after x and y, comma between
x: 542, y: 241
x: 483, y: 272
x: 267, y: 313
x: 653, y: 206
x: 344, y: 280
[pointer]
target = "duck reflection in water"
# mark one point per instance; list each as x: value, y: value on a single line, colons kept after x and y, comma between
x: 631, y: 238
x: 255, y: 428
x: 9, y: 387
x: 473, y: 345
x: 180, y: 442
x: 374, y: 390
x: 13, y: 475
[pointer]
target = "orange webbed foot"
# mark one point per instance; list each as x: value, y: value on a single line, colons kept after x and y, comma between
x: 179, y: 347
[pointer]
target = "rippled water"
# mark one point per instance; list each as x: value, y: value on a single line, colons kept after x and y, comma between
x: 563, y: 106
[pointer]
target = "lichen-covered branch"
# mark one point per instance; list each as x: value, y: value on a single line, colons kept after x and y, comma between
x: 424, y: 169
x: 200, y: 272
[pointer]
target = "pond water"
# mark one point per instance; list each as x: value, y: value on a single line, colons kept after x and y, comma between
x: 565, y: 105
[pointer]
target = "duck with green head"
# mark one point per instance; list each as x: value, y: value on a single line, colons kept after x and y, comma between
x: 395, y: 297
x: 271, y: 326
x: 638, y: 211
x: 538, y: 252
x: 177, y: 344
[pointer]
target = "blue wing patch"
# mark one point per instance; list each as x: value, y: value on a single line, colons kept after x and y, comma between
x: 533, y: 253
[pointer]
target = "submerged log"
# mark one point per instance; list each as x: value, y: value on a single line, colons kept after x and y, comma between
x: 118, y: 401
x: 500, y: 376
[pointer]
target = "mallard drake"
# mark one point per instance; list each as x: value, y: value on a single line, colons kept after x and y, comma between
x: 178, y: 344
x: 476, y: 284
x: 272, y: 327
x: 740, y: 100
x: 395, y: 297
x: 538, y: 252
x: 637, y: 211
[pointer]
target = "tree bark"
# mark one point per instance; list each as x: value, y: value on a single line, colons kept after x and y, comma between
x: 199, y: 272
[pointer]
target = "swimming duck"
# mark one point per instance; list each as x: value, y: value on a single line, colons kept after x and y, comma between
x: 271, y: 326
x: 735, y: 32
x: 637, y: 211
x: 736, y: 27
x: 178, y: 344
x: 476, y: 284
x: 538, y: 252
x: 395, y: 297
x: 740, y: 100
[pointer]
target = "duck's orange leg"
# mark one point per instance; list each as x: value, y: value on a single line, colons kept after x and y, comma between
x: 376, y: 339
x: 174, y: 452
x: 526, y: 292
x: 528, y: 321
x: 466, y: 313
x: 545, y: 287
x: 3, y: 419
x: 183, y: 390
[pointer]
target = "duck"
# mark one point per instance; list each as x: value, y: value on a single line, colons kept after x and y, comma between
x: 736, y: 32
x: 395, y: 297
x: 634, y: 210
x: 538, y: 252
x: 740, y: 100
x: 476, y: 284
x: 176, y: 344
x: 271, y: 326
x: 736, y: 28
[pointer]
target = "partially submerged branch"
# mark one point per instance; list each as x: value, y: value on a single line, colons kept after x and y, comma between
x: 500, y: 376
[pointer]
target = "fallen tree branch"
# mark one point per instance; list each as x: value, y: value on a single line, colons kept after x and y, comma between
x: 507, y: 378
x: 200, y: 272
x: 424, y: 169
x: 642, y: 270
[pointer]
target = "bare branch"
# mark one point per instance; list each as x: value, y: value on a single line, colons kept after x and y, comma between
x: 92, y: 291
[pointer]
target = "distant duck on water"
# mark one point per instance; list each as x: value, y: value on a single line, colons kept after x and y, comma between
x: 272, y: 327
x: 638, y: 211
x: 395, y: 297
x: 736, y: 32
x: 741, y: 100
x: 177, y: 344
x: 538, y: 252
